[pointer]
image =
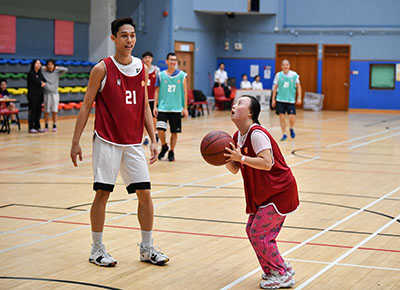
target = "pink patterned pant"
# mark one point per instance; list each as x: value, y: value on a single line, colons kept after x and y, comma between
x: 262, y: 229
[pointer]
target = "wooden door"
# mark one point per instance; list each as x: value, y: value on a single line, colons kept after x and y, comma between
x: 184, y: 52
x: 303, y: 59
x: 336, y: 76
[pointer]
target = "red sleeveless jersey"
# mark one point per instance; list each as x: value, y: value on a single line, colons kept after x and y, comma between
x: 151, y: 84
x: 263, y: 187
x: 120, y: 105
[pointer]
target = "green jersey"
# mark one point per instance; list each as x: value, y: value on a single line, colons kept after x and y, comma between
x: 287, y: 88
x: 171, y: 96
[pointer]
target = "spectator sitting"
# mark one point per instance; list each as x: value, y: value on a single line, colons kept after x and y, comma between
x: 5, y: 94
x: 52, y: 74
x: 245, y: 84
x: 257, y: 85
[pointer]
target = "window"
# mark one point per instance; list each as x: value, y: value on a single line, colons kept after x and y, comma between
x: 381, y: 76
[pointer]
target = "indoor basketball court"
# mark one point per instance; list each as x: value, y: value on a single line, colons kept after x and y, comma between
x: 339, y: 59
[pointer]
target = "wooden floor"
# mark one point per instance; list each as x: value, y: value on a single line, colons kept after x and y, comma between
x: 345, y: 235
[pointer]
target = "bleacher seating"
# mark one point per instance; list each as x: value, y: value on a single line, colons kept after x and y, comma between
x: 72, y: 84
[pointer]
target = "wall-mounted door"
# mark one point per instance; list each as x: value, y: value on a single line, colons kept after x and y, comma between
x: 185, y: 54
x: 336, y: 76
x: 303, y: 59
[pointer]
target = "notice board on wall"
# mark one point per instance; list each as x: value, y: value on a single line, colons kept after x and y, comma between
x: 63, y: 37
x: 7, y: 34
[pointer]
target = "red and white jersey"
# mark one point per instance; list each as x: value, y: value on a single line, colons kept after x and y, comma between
x: 151, y: 82
x: 262, y: 187
x: 120, y: 105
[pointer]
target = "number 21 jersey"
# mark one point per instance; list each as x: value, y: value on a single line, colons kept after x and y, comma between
x: 120, y: 105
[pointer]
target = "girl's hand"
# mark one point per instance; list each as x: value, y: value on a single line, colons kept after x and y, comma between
x: 233, y: 154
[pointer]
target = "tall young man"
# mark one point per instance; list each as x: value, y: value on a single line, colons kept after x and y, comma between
x: 154, y: 71
x: 118, y: 84
x: 170, y: 104
x: 286, y: 83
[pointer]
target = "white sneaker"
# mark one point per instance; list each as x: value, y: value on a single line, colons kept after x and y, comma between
x: 100, y: 257
x: 151, y: 255
x: 289, y: 269
x: 276, y: 281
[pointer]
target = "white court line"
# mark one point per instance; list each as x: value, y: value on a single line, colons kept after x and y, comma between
x: 373, y: 141
x: 111, y: 204
x: 345, y: 265
x: 48, y: 167
x: 304, y: 284
x: 86, y: 226
x: 362, y: 137
x: 313, y: 237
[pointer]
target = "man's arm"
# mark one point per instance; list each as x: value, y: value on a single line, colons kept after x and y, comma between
x: 274, y: 88
x: 96, y: 76
x: 155, y: 110
x: 298, y: 102
x: 148, y: 122
x: 185, y: 111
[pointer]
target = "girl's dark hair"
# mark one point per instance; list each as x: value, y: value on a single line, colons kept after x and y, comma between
x: 255, y: 108
x: 33, y: 63
x: 117, y: 23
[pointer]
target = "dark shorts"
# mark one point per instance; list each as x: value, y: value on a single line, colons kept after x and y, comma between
x: 151, y: 103
x: 283, y: 108
x: 174, y: 119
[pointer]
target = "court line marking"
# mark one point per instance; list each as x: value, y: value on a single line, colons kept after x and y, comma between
x: 201, y: 234
x: 373, y: 141
x: 111, y: 204
x: 346, y: 265
x: 315, y: 276
x: 313, y: 238
x: 362, y: 137
x: 127, y: 214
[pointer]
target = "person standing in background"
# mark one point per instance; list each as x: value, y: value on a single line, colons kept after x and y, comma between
x: 286, y: 83
x: 52, y: 74
x: 153, y: 71
x: 221, y: 79
x: 36, y: 83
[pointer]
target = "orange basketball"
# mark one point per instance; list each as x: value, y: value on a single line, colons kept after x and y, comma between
x: 213, y: 145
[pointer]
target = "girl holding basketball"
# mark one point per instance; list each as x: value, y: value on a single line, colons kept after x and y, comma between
x: 270, y: 189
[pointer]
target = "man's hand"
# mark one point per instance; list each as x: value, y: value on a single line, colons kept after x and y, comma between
x: 273, y: 104
x: 154, y: 152
x: 298, y: 102
x: 76, y: 150
x: 185, y: 112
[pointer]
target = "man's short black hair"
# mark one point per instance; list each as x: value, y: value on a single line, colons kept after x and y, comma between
x: 147, y: 53
x: 170, y: 54
x: 51, y: 60
x: 117, y: 23
x: 3, y: 80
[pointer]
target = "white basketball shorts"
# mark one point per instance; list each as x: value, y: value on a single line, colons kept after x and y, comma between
x: 108, y: 159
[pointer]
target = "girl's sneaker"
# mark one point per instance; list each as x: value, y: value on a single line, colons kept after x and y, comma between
x: 276, y: 281
x: 289, y: 269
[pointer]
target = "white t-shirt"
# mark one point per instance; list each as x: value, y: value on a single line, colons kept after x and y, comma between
x: 289, y: 75
x: 128, y: 69
x: 245, y: 85
x: 220, y: 76
x: 259, y: 140
x: 257, y: 85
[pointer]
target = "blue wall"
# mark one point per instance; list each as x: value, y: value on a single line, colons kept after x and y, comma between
x: 35, y: 39
x: 362, y: 97
x: 154, y: 31
x: 237, y: 67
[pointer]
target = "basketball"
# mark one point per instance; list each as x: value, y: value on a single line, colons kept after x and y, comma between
x: 213, y: 145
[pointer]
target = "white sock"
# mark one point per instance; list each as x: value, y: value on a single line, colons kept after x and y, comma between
x: 147, y: 240
x: 97, y: 239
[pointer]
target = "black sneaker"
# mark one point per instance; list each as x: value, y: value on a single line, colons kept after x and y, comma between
x: 171, y: 156
x: 164, y: 150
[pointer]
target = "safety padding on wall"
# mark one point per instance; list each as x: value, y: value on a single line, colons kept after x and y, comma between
x: 7, y: 34
x: 63, y: 37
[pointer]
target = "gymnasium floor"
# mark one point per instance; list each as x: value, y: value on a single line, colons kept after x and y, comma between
x: 345, y: 235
